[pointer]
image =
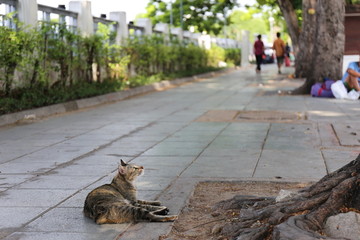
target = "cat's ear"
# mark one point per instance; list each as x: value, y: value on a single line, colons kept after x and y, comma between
x: 122, y: 167
x: 122, y: 163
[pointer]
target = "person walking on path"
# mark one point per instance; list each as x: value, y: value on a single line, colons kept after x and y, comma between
x: 279, y: 47
x: 259, y: 51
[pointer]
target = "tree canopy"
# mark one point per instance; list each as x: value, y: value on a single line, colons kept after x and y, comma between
x: 249, y: 20
x: 203, y: 15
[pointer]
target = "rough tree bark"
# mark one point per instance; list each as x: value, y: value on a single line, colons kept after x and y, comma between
x: 292, y: 22
x: 297, y: 218
x: 306, y: 40
x: 320, y: 42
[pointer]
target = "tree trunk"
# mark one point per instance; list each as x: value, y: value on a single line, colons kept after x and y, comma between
x: 321, y: 42
x: 306, y: 40
x: 292, y: 22
x: 299, y: 217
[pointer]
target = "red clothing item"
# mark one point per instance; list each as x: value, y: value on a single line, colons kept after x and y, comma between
x: 258, y: 47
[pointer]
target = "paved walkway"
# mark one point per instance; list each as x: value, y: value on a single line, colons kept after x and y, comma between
x: 231, y: 127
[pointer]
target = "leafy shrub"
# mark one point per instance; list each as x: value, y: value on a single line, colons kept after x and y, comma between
x: 233, y: 56
x: 55, y: 65
x: 216, y: 54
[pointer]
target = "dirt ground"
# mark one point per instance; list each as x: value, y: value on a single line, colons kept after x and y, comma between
x: 198, y: 220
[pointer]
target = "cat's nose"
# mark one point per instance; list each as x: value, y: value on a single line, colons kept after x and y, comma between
x: 141, y: 167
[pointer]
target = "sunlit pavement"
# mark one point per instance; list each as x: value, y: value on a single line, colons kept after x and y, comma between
x: 232, y: 127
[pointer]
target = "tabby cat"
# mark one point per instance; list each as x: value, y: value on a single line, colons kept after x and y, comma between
x: 117, y: 203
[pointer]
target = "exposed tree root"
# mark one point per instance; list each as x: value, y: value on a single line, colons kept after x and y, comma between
x: 299, y: 217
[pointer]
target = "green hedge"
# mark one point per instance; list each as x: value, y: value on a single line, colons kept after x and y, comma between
x: 51, y: 64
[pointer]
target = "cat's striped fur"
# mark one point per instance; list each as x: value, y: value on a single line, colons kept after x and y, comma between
x: 117, y: 202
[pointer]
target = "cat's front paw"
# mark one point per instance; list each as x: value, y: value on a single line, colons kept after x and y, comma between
x: 163, y: 211
x: 171, y: 218
x: 156, y: 203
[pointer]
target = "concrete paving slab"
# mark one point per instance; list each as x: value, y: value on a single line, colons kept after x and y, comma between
x: 336, y: 158
x: 63, y: 219
x: 181, y: 137
x: 288, y: 164
x: 175, y: 151
x: 126, y: 143
x: 12, y: 152
x: 140, y: 137
x: 77, y: 199
x: 60, y: 236
x: 11, y: 180
x: 153, y: 231
x: 85, y: 170
x: 103, y: 180
x: 216, y: 152
x: 15, y: 217
x: 246, y: 127
x: 170, y: 161
x: 205, y: 134
x: 56, y: 155
x: 241, y: 166
x: 43, y: 157
x: 288, y: 144
x: 153, y: 183
x: 172, y: 143
x: 20, y: 167
x: 58, y: 182
x: 327, y: 135
x: 99, y: 158
x: 82, y: 149
x: 205, y: 126
x: 33, y: 197
x: 176, y: 196
x: 123, y: 151
x: 236, y: 143
x: 347, y: 133
x: 182, y: 116
x: 161, y: 171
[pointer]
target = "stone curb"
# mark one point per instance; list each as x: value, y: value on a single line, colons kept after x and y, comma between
x: 74, y: 105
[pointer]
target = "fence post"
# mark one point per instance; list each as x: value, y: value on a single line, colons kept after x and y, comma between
x: 122, y: 30
x: 245, y: 49
x: 164, y: 28
x: 196, y: 39
x: 85, y: 22
x: 178, y: 32
x: 146, y: 24
x: 187, y: 35
x: 27, y: 12
x: 205, y: 41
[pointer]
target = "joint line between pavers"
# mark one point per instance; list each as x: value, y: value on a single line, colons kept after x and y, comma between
x: 262, y: 149
x: 177, y: 177
x: 326, y: 166
x: 337, y: 137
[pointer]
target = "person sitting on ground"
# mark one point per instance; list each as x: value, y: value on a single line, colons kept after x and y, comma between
x: 351, y: 78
